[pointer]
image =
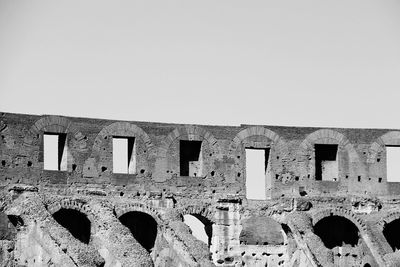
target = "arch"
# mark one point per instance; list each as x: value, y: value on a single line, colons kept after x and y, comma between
x: 140, y: 207
x: 76, y: 222
x: 72, y: 205
x: 194, y: 222
x: 99, y: 160
x: 388, y: 219
x: 390, y: 227
x: 202, y: 210
x: 335, y: 230
x: 193, y: 132
x: 120, y: 128
x: 142, y: 226
x: 328, y: 136
x: 279, y: 143
x: 55, y: 124
x: 263, y: 230
x: 389, y: 138
x: 317, y: 216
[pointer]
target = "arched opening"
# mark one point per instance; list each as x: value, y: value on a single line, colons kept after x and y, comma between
x: 367, y: 265
x: 75, y: 222
x: 142, y: 226
x: 262, y: 230
x: 391, y: 231
x: 201, y: 227
x: 335, y: 231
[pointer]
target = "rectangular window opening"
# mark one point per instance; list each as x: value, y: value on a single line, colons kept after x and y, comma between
x: 191, y: 160
x: 393, y: 163
x: 124, y: 155
x: 55, y: 151
x: 258, y: 176
x: 326, y: 162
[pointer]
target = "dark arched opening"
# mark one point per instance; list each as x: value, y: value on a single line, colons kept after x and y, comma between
x: 142, y: 226
x: 336, y: 231
x: 207, y: 226
x: 75, y: 222
x: 391, y: 231
x: 367, y: 265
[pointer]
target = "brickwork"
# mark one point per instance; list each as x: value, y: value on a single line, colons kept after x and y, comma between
x: 295, y: 200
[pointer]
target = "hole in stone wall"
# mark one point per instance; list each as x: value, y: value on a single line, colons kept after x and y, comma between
x: 55, y: 151
x: 16, y: 220
x: 392, y: 163
x: 142, y: 226
x: 103, y: 169
x: 191, y: 159
x: 201, y: 227
x: 74, y: 167
x: 75, y: 222
x: 359, y: 178
x: 391, y: 231
x: 124, y: 155
x: 335, y: 231
x: 142, y: 171
x: 29, y: 164
x: 257, y: 172
x: 379, y: 180
x: 326, y: 163
x: 367, y: 265
x: 3, y: 163
x: 212, y: 173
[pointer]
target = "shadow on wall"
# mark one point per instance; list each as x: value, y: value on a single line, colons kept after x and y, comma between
x: 336, y: 231
x: 142, y: 226
x: 75, y: 222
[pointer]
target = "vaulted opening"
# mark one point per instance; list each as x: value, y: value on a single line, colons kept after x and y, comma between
x: 257, y: 175
x: 393, y: 163
x: 200, y: 226
x: 75, y: 222
x: 55, y: 151
x: 262, y: 230
x: 391, y: 231
x: 124, y: 155
x: 336, y: 231
x: 326, y: 162
x: 190, y: 156
x: 142, y: 226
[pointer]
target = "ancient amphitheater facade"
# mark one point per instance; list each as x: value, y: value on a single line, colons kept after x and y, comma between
x: 325, y: 196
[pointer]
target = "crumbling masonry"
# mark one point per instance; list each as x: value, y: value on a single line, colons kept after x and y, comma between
x: 326, y: 198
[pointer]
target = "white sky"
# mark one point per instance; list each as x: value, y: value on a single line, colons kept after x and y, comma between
x: 197, y: 227
x: 392, y: 164
x: 304, y: 63
x: 255, y: 174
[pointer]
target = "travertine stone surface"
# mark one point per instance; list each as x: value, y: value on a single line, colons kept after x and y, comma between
x: 277, y: 231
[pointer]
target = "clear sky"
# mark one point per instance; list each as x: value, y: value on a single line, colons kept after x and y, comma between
x: 306, y: 63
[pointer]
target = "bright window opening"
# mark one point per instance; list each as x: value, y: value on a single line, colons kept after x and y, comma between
x: 191, y: 160
x: 393, y: 163
x: 257, y: 173
x: 200, y: 226
x: 55, y: 152
x: 124, y: 155
x: 326, y: 162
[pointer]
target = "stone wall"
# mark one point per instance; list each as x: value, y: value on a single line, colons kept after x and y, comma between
x: 276, y: 231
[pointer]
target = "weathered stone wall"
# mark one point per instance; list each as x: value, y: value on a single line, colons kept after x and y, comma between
x: 278, y: 231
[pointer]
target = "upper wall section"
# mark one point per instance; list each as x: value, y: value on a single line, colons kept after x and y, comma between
x: 197, y: 160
